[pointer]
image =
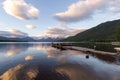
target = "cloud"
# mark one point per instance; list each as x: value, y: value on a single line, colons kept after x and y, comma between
x: 13, y: 33
x: 20, y: 9
x: 30, y: 26
x: 85, y: 9
x: 17, y: 33
x: 60, y: 32
x: 113, y: 6
x: 1, y: 24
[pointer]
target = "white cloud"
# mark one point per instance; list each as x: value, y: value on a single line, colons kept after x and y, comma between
x: 30, y: 26
x: 13, y: 33
x: 85, y: 9
x: 20, y: 9
x: 114, y: 6
x: 17, y: 33
x: 60, y: 32
x: 1, y: 24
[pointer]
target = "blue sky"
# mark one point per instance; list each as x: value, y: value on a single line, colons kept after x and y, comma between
x: 54, y: 18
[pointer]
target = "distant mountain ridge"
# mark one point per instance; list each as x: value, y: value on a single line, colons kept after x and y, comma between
x: 28, y: 39
x: 103, y: 32
x: 6, y: 39
x: 49, y: 39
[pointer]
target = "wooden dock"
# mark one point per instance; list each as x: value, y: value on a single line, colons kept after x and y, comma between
x: 115, y: 43
x: 93, y: 51
x: 86, y: 50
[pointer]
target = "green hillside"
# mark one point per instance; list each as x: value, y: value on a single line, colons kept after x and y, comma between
x: 107, y: 31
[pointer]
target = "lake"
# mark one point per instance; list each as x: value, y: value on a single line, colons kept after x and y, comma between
x: 40, y: 61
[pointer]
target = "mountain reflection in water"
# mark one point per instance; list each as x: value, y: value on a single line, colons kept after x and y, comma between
x: 40, y: 61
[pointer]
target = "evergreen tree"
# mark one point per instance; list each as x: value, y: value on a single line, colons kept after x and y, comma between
x: 118, y: 33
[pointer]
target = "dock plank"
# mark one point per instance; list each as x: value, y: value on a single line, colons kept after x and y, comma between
x: 89, y: 50
x: 82, y: 49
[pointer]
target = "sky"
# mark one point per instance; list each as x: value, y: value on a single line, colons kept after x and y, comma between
x: 54, y: 18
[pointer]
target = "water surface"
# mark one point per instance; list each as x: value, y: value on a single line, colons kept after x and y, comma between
x: 40, y: 61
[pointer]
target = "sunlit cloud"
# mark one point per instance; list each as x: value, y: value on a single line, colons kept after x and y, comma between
x: 17, y: 32
x: 31, y: 26
x: 62, y: 32
x: 13, y: 33
x: 86, y: 9
x: 20, y: 9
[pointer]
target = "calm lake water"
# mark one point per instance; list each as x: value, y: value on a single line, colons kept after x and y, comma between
x: 40, y: 61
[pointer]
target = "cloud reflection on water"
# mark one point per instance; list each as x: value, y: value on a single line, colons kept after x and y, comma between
x: 29, y: 57
x: 55, y: 64
x: 13, y: 49
x: 20, y: 72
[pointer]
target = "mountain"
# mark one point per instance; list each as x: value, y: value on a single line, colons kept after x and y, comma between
x: 28, y: 39
x: 104, y: 32
x: 6, y: 39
